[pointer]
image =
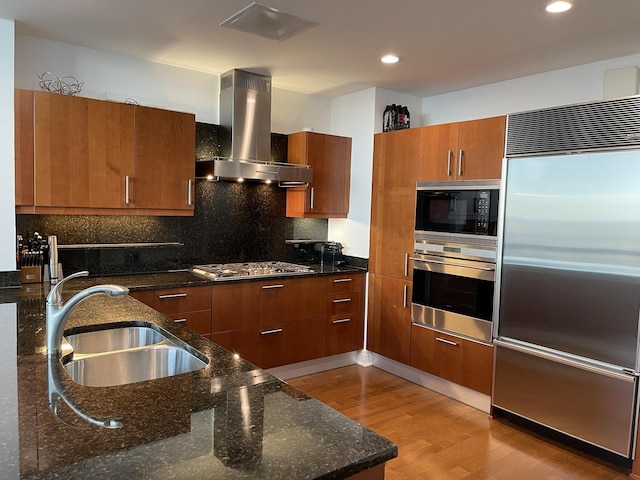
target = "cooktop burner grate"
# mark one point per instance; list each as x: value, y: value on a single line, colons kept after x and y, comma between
x: 236, y: 271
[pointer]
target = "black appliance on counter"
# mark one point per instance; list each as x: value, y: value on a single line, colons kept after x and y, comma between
x: 318, y: 252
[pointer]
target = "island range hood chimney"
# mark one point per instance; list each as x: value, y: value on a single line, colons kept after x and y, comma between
x: 245, y: 134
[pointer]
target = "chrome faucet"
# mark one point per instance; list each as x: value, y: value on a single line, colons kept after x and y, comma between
x: 58, y: 312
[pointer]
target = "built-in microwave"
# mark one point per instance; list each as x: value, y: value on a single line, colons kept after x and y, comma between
x: 458, y: 208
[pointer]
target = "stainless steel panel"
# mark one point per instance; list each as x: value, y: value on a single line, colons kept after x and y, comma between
x: 452, y: 322
x: 570, y: 267
x: 592, y: 404
x: 459, y: 185
x: 458, y: 267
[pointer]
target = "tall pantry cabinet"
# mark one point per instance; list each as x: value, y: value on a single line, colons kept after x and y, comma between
x: 391, y: 244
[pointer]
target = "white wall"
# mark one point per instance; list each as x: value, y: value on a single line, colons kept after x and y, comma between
x: 353, y: 116
x: 560, y: 87
x: 117, y: 77
x: 7, y: 184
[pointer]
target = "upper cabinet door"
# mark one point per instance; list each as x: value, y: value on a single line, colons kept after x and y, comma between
x: 481, y: 148
x: 471, y: 150
x: 83, y: 151
x: 23, y: 103
x: 330, y: 158
x: 438, y: 152
x: 164, y: 159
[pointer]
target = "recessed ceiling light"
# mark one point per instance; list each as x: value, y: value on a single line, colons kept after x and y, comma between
x: 390, y: 59
x: 558, y: 6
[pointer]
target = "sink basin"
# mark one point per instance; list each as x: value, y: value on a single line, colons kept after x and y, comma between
x: 113, y: 339
x: 122, y: 354
x: 134, y: 365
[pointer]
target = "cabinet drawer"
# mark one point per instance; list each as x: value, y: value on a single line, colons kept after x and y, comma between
x: 340, y: 334
x: 352, y: 282
x: 245, y: 343
x: 453, y: 358
x: 175, y: 300
x: 288, y: 343
x: 343, y: 304
x: 199, y: 322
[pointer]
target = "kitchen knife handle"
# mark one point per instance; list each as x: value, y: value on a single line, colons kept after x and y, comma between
x: 126, y: 189
x: 312, y: 195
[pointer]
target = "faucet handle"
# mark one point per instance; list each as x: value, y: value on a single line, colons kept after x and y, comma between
x: 55, y: 294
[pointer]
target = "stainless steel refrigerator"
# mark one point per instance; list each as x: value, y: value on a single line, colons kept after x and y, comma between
x: 568, y: 307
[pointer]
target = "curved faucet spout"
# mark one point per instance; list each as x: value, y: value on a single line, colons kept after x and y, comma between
x: 58, y: 312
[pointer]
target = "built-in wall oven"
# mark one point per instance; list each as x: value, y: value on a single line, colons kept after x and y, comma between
x: 454, y: 262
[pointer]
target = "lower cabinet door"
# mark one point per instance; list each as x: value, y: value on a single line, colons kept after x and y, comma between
x: 340, y: 334
x: 199, y: 322
x: 243, y: 342
x: 288, y: 343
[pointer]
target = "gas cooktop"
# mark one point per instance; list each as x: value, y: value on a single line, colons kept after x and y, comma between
x: 239, y: 271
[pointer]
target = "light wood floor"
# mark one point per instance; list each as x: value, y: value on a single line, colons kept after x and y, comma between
x: 440, y: 438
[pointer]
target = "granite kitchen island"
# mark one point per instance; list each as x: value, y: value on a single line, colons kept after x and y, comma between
x: 227, y: 420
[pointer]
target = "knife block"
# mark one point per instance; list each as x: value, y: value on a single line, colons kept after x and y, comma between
x: 30, y: 274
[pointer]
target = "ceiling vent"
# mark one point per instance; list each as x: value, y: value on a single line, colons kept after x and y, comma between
x: 268, y: 22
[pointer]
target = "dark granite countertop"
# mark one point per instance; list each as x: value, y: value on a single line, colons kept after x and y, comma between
x: 229, y: 420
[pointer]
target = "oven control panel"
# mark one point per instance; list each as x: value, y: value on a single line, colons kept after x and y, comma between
x: 455, y: 250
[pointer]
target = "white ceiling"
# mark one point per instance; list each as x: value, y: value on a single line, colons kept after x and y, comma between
x: 445, y: 45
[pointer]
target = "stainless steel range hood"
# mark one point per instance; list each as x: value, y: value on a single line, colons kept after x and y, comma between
x: 245, y: 136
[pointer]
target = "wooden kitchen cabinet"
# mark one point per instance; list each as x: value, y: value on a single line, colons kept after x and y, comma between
x: 287, y: 320
x: 165, y: 143
x: 389, y: 318
x: 190, y: 306
x: 327, y: 196
x: 98, y: 157
x: 453, y: 358
x: 83, y: 151
x: 342, y: 326
x: 393, y: 202
x: 471, y: 150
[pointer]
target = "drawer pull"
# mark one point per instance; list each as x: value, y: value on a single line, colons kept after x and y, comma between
x: 448, y: 342
x: 342, y: 300
x: 344, y: 320
x: 341, y: 280
x: 271, y: 332
x: 269, y: 287
x: 180, y: 320
x: 172, y: 295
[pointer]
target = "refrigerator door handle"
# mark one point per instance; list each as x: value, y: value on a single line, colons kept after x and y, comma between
x: 567, y: 359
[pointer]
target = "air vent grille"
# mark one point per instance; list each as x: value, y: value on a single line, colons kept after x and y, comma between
x: 603, y: 125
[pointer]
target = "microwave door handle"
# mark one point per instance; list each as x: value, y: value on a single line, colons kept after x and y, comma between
x: 487, y: 269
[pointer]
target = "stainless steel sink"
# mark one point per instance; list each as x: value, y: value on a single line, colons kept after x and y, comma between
x: 125, y: 354
x: 113, y: 339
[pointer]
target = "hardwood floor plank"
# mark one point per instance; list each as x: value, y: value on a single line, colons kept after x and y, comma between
x: 440, y: 438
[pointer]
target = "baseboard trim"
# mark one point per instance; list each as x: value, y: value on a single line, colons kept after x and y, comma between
x: 367, y: 358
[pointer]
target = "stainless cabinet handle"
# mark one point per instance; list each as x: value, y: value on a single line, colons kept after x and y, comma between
x: 312, y: 195
x: 342, y: 300
x: 268, y: 287
x: 448, y: 342
x: 405, y: 294
x: 344, y: 320
x: 449, y: 153
x: 189, y: 200
x: 460, y: 162
x: 126, y: 189
x: 406, y: 264
x: 180, y: 320
x: 271, y: 332
x: 172, y: 295
x: 451, y: 264
x: 341, y: 280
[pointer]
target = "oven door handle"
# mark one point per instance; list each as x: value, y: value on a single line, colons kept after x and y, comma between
x: 450, y: 264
